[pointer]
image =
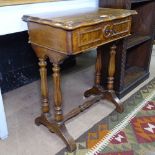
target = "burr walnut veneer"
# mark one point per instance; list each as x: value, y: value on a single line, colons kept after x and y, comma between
x: 55, y: 36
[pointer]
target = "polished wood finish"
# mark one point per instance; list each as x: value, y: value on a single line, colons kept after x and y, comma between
x: 110, y: 94
x: 57, y: 93
x: 111, y: 70
x: 82, y: 107
x: 82, y: 33
x: 44, y: 88
x: 56, y: 37
x: 134, y: 53
x: 96, y: 89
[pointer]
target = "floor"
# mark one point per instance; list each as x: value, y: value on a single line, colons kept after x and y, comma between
x: 23, y: 105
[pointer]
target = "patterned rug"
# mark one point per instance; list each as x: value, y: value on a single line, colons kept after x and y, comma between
x: 129, y: 133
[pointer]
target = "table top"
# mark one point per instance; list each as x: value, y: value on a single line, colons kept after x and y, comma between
x: 73, y: 19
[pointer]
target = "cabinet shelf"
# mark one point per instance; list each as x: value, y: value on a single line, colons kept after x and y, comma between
x: 136, y: 40
x: 133, y: 73
x: 138, y: 1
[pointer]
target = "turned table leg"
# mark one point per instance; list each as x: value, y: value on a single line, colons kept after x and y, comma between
x: 57, y: 94
x: 98, y: 68
x: 110, y: 93
x: 58, y: 124
x: 96, y: 90
x: 44, y: 91
x: 55, y: 125
x: 111, y: 69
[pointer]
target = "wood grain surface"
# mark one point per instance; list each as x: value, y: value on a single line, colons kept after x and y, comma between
x: 78, y: 18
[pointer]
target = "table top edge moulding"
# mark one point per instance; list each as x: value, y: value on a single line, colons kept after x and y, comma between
x: 95, y: 22
x: 55, y: 36
x: 72, y: 20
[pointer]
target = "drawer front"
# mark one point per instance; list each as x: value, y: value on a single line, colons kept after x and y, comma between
x: 87, y: 37
x: 99, y: 34
x: 116, y: 29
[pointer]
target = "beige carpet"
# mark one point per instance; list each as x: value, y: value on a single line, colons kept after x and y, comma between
x: 23, y: 105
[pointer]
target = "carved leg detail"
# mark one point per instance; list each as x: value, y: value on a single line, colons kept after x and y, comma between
x: 57, y: 94
x: 65, y: 136
x: 60, y: 130
x: 98, y: 68
x: 55, y: 125
x: 111, y: 70
x: 44, y: 121
x: 44, y: 88
x: 110, y: 94
x: 97, y: 89
x: 93, y: 91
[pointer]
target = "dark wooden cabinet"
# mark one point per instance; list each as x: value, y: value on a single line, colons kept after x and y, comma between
x: 134, y: 53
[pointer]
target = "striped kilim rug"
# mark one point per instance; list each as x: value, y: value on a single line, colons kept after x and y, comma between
x: 129, y: 133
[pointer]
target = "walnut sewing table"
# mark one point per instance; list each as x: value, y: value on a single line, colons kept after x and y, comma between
x: 55, y: 36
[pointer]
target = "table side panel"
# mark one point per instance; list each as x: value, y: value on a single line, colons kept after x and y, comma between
x: 48, y: 37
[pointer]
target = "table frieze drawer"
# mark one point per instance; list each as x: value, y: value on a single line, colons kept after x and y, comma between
x: 117, y: 29
x: 87, y: 37
x: 95, y: 35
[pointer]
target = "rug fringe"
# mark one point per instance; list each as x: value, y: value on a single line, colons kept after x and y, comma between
x: 104, y: 142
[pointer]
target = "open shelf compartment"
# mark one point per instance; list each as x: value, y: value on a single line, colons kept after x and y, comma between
x: 134, y: 40
x: 132, y: 74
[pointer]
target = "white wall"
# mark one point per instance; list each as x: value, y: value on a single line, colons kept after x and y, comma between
x: 11, y: 22
x: 10, y: 16
x: 3, y: 125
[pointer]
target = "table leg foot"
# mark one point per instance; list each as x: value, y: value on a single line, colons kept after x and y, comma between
x: 44, y: 121
x: 59, y: 129
x: 38, y: 121
x: 62, y: 132
x: 111, y: 96
x: 93, y: 91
